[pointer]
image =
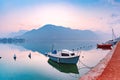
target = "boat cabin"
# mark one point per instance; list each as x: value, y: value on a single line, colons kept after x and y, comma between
x: 64, y: 53
x: 67, y: 53
x: 64, y: 56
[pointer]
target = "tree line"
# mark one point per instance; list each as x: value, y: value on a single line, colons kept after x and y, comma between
x: 12, y: 40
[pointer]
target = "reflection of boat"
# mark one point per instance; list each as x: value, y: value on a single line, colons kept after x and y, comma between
x: 64, y: 56
x: 104, y: 46
x: 66, y: 68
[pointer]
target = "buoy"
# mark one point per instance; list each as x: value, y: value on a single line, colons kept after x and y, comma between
x: 14, y: 57
x: 29, y: 55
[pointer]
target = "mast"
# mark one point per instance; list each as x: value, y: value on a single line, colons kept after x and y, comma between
x: 52, y: 48
x: 113, y: 35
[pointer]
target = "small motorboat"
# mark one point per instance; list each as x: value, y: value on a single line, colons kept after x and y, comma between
x: 64, y: 56
x: 104, y: 46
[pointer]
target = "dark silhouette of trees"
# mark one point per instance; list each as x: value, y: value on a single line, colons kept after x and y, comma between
x: 11, y: 40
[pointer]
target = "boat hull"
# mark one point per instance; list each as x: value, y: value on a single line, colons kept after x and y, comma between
x: 71, y: 60
x: 104, y: 46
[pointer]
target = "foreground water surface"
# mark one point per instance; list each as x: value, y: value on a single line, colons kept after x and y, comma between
x: 39, y: 67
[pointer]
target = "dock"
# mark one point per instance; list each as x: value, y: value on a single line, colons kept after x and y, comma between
x: 112, y: 70
x: 108, y: 68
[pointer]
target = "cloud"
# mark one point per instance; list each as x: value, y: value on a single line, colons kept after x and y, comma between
x: 114, y: 2
x: 114, y: 15
x: 115, y: 18
x: 116, y: 22
x: 64, y: 14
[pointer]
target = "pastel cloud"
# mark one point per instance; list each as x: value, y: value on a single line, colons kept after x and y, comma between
x: 34, y: 17
x: 16, y: 16
x: 114, y: 2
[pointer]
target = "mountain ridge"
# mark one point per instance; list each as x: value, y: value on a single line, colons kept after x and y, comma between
x: 53, y: 32
x: 19, y: 33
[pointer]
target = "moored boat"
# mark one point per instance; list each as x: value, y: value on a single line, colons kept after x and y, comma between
x: 64, y: 56
x: 104, y: 46
x: 108, y: 44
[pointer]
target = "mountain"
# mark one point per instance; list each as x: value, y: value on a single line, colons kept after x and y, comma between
x: 14, y: 34
x: 52, y: 32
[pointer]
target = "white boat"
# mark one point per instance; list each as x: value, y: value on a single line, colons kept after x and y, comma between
x: 64, y: 56
x: 114, y: 39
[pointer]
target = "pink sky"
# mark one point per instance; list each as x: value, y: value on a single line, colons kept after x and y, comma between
x: 63, y: 14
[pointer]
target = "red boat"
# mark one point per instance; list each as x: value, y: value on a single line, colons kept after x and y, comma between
x: 104, y: 46
x: 110, y: 43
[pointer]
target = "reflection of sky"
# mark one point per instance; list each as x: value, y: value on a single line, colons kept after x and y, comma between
x: 78, y: 14
x: 93, y: 56
x: 37, y: 67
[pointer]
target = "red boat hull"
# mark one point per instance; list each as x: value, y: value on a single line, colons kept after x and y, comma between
x: 104, y: 46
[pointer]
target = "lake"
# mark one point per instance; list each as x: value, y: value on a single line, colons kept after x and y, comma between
x: 39, y: 67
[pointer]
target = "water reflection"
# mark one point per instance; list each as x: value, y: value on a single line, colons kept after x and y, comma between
x: 31, y: 64
x: 66, y: 68
x: 46, y: 46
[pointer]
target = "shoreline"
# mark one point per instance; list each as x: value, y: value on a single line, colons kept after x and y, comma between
x: 96, y: 71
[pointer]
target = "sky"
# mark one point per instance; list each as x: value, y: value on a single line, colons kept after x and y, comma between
x: 95, y: 15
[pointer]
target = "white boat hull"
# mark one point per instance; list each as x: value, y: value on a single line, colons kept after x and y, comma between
x: 70, y: 60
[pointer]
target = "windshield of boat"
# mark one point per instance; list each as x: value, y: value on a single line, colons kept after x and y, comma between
x: 64, y: 54
x: 72, y: 54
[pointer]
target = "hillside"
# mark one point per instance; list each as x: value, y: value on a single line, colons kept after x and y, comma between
x: 52, y: 32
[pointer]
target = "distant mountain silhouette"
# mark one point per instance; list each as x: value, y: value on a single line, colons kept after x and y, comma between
x: 14, y: 34
x: 52, y: 32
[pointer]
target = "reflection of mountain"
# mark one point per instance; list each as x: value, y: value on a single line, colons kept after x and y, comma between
x: 66, y: 68
x: 45, y: 46
x: 52, y: 32
x: 39, y: 47
x: 11, y: 40
x: 43, y: 38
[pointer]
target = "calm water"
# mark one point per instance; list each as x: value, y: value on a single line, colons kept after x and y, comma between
x: 39, y: 67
